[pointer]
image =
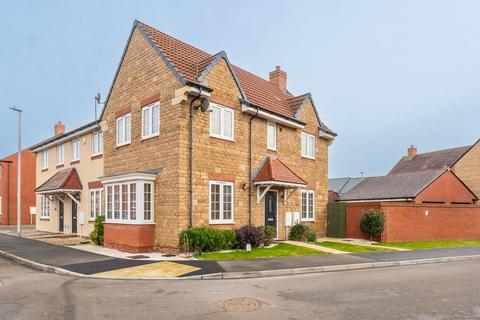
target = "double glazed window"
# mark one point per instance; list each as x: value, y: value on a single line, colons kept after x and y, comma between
x: 221, y: 202
x: 45, y: 207
x: 151, y: 120
x: 95, y: 203
x: 130, y: 202
x: 75, y: 150
x: 308, y: 199
x: 271, y: 136
x: 45, y: 159
x: 308, y: 145
x: 123, y: 130
x: 60, y: 155
x: 221, y: 122
x: 97, y: 143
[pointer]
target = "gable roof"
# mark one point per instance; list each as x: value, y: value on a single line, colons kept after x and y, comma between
x: 64, y: 179
x: 392, y: 186
x: 191, y: 65
x: 435, y: 160
x: 343, y: 185
x: 275, y: 170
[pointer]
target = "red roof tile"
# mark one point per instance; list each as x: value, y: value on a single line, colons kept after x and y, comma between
x: 276, y: 170
x: 64, y: 179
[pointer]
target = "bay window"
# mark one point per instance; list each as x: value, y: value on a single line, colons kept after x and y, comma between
x: 221, y: 202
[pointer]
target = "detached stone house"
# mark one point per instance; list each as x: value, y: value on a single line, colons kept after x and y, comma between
x: 69, y: 194
x: 192, y: 140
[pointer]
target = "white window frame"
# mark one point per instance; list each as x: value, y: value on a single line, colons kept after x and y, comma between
x: 97, y: 143
x: 93, y: 203
x: 122, y: 139
x: 221, y: 220
x: 274, y: 146
x: 222, y: 110
x: 75, y: 154
x: 45, y: 207
x: 304, y: 145
x: 139, y: 202
x: 60, y: 154
x: 147, y: 128
x: 310, y: 215
x: 45, y: 159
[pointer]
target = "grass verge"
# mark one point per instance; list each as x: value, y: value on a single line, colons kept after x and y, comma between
x: 423, y: 245
x: 280, y: 250
x: 347, y: 247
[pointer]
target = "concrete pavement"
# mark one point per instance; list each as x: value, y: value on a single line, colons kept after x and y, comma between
x: 423, y: 292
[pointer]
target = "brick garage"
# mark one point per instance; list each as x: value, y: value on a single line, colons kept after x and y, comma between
x: 419, y: 222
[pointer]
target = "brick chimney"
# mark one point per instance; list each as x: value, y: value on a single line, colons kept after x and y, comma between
x: 59, y: 128
x: 279, y: 78
x: 412, y: 152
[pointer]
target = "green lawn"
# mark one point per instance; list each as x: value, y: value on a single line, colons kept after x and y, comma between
x: 280, y: 250
x: 347, y: 247
x: 422, y: 245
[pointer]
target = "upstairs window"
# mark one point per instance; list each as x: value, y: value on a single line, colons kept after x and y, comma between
x: 221, y: 122
x: 123, y: 130
x: 151, y: 120
x: 97, y: 143
x: 271, y: 136
x: 75, y: 150
x: 60, y: 155
x: 45, y: 159
x: 308, y: 145
x: 221, y: 202
x: 308, y: 197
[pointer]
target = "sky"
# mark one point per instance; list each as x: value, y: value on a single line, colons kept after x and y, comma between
x: 384, y: 75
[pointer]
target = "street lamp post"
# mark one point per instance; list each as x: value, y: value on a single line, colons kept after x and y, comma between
x: 19, y: 171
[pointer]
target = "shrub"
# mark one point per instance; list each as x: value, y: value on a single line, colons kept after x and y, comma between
x: 249, y: 234
x: 97, y: 234
x: 372, y: 223
x: 302, y: 232
x: 269, y: 234
x: 206, y: 239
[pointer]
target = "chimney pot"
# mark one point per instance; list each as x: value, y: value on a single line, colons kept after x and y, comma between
x: 279, y: 78
x: 59, y: 128
x: 412, y: 152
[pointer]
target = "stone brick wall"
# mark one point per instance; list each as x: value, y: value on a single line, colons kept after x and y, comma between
x: 468, y: 169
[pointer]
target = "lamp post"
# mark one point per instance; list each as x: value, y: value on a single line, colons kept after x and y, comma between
x: 19, y: 171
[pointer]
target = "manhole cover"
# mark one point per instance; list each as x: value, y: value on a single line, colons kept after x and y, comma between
x: 138, y: 256
x: 242, y: 304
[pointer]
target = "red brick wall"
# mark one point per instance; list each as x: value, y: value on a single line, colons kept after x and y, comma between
x: 354, y: 214
x: 130, y: 237
x: 8, y: 189
x: 409, y: 222
x: 447, y: 188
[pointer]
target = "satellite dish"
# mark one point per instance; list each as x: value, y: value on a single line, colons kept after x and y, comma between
x: 204, y: 104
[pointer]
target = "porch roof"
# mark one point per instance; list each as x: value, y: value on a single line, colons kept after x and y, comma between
x: 66, y: 180
x: 275, y: 172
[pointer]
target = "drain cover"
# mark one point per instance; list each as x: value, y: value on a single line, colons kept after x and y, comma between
x: 138, y: 256
x: 242, y: 304
x: 168, y: 255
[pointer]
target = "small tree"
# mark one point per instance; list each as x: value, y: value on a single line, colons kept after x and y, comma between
x: 372, y: 222
x: 97, y: 234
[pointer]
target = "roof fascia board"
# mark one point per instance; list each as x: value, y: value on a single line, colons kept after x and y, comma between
x: 65, y: 137
x: 53, y: 191
x: 430, y: 182
x: 459, y: 158
x: 308, y: 96
x: 378, y: 200
x: 272, y: 117
x: 278, y: 183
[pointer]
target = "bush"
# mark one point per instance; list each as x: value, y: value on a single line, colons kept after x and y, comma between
x: 97, y: 234
x: 372, y: 223
x: 302, y: 232
x: 249, y: 234
x: 206, y: 239
x: 269, y: 234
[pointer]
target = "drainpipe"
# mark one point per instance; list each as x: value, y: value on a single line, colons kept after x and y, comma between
x: 190, y: 163
x: 250, y: 182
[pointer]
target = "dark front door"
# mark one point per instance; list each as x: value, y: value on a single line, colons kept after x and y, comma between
x: 74, y: 217
x: 60, y: 216
x: 271, y: 209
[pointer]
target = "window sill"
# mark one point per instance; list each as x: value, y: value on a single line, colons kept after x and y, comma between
x: 96, y: 156
x: 122, y: 145
x: 222, y: 138
x: 44, y: 219
x: 221, y: 222
x: 308, y: 158
x: 150, y: 136
x: 308, y: 220
x: 75, y: 162
x: 129, y: 222
x: 44, y: 169
x: 60, y: 165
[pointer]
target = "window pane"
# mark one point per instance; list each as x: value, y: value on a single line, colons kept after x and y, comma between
x: 227, y: 202
x: 100, y: 142
x: 147, y: 201
x: 227, y: 123
x: 271, y: 136
x: 116, y: 202
x: 98, y: 203
x: 120, y: 131
x: 311, y: 146
x: 95, y: 143
x: 124, y: 201
x: 215, y: 121
x: 92, y: 204
x: 127, y: 129
x: 215, y: 201
x: 304, y: 205
x: 133, y: 201
x: 310, y: 205
x: 109, y: 202
x: 155, y: 119
x: 146, y: 122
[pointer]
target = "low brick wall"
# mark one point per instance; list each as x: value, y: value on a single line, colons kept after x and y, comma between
x: 132, y: 238
x: 418, y: 222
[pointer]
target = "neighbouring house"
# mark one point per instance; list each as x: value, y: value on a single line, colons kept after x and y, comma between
x: 8, y: 188
x: 422, y: 197
x: 193, y: 140
x: 69, y: 193
x: 338, y: 186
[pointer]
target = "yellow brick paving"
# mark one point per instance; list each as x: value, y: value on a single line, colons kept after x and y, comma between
x: 164, y: 269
